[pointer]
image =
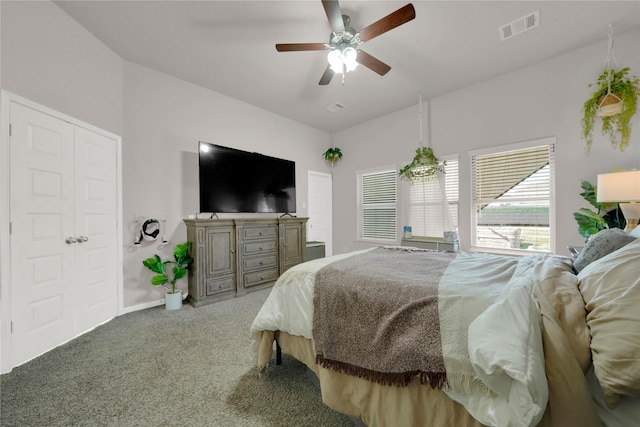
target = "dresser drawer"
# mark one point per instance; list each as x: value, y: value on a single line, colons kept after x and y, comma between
x: 259, y: 247
x: 260, y: 262
x: 252, y: 279
x: 218, y: 285
x: 264, y: 232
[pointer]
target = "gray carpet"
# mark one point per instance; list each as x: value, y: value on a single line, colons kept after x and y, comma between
x: 191, y: 367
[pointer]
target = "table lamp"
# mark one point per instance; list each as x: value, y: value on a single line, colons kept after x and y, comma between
x: 624, y: 188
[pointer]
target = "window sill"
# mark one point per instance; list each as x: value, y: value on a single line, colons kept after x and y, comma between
x: 506, y: 251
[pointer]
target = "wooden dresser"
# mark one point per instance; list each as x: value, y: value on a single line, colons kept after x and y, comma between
x: 236, y: 256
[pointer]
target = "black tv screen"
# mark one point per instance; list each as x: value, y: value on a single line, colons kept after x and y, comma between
x: 232, y: 180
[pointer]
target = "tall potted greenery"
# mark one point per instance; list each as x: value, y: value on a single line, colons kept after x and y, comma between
x: 181, y: 263
x: 615, y: 101
x: 608, y: 215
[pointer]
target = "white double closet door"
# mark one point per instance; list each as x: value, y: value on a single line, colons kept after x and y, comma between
x: 64, y: 263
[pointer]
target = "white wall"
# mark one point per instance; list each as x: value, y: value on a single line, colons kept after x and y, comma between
x: 49, y: 58
x: 538, y: 101
x: 164, y: 118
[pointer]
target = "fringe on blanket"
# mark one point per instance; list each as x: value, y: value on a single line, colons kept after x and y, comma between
x: 436, y: 380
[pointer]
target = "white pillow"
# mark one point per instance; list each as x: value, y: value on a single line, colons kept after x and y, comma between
x: 635, y: 232
x: 610, y: 287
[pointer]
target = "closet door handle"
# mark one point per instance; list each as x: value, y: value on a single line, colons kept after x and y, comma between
x: 71, y: 240
x: 82, y: 239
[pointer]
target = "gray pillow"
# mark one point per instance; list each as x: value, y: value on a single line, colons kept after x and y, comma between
x: 601, y: 244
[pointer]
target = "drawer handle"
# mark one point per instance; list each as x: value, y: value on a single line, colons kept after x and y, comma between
x: 260, y: 262
x: 261, y: 277
x: 260, y: 248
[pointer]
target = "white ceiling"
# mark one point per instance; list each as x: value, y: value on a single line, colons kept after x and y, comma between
x: 228, y: 46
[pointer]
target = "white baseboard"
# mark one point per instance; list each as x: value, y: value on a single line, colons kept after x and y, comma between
x: 138, y: 307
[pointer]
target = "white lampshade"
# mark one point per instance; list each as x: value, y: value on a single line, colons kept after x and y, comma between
x: 619, y: 186
x: 622, y: 187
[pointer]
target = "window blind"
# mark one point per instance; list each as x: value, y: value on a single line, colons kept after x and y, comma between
x: 378, y: 194
x: 513, y: 198
x: 432, y: 211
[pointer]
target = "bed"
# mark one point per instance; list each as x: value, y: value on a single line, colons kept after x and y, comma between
x: 400, y: 336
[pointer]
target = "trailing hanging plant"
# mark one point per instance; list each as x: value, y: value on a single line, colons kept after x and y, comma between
x: 333, y: 154
x: 615, y: 84
x: 423, y: 166
x: 590, y: 222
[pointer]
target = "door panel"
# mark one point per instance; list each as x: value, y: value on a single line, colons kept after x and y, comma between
x: 319, y: 226
x: 96, y: 204
x: 41, y: 193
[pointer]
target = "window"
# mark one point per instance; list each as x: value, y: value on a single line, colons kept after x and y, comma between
x: 377, y: 205
x: 513, y: 197
x: 430, y: 214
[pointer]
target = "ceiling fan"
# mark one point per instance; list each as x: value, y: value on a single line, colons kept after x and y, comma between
x: 344, y: 41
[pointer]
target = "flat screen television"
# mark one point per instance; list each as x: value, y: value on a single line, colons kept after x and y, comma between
x: 234, y: 181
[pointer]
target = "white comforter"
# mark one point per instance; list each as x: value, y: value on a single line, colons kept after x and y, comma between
x: 505, y: 345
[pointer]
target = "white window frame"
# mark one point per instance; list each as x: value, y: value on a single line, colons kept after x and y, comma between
x: 451, y: 202
x: 550, y: 141
x: 361, y: 207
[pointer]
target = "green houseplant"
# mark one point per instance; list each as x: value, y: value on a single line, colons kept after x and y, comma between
x: 333, y: 154
x: 615, y: 101
x: 423, y: 166
x: 607, y: 215
x: 181, y: 263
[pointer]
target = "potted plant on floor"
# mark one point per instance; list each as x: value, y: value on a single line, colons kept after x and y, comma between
x: 181, y: 263
x: 615, y: 101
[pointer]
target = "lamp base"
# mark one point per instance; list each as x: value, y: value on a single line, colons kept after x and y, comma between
x: 631, y: 212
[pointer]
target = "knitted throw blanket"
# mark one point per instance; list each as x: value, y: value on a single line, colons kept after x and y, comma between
x: 376, y: 316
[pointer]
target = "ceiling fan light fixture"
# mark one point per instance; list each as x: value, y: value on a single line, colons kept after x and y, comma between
x: 343, y: 52
x: 349, y: 56
x: 343, y: 59
x: 335, y: 60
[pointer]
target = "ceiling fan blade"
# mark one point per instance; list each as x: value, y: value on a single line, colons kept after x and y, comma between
x: 326, y: 77
x: 332, y: 9
x: 372, y: 63
x: 389, y: 22
x: 296, y: 47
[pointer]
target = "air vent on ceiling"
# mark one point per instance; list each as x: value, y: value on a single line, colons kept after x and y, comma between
x: 335, y: 107
x: 520, y: 25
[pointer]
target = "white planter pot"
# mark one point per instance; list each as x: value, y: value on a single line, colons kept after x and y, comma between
x: 173, y: 301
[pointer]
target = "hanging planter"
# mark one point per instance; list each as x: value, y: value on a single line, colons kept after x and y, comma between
x: 615, y: 102
x: 332, y: 155
x: 425, y: 165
